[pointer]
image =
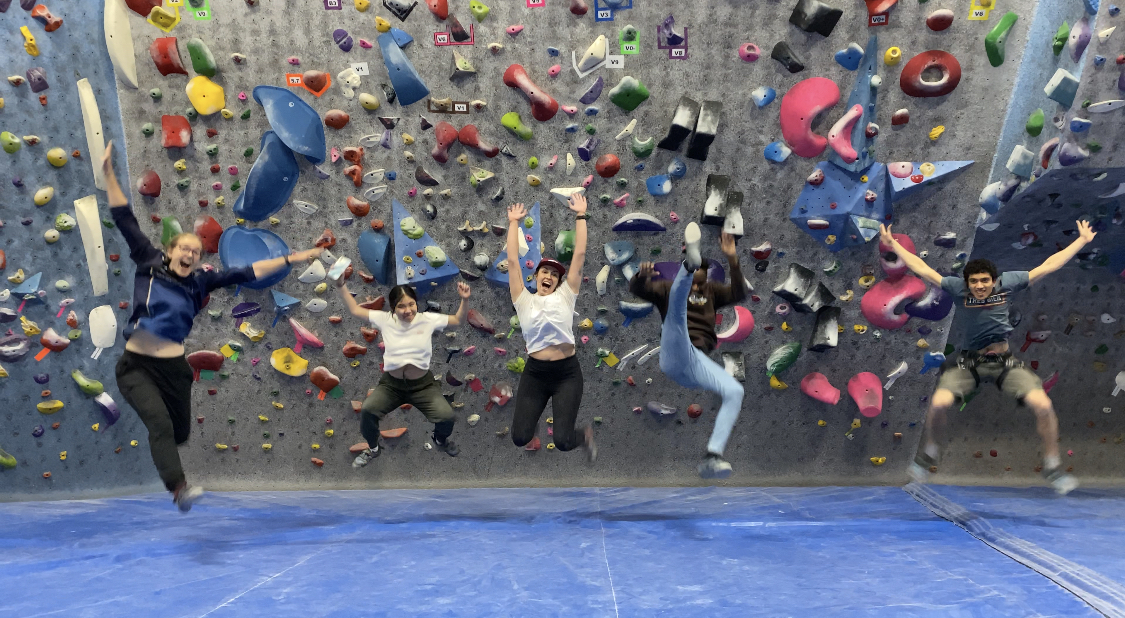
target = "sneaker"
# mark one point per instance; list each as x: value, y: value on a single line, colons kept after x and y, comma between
x: 919, y: 470
x: 589, y: 444
x: 692, y: 237
x: 1062, y: 481
x: 449, y: 446
x: 365, y: 457
x: 714, y: 467
x: 185, y: 495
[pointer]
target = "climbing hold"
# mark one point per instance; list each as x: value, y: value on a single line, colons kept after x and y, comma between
x: 892, y: 56
x: 815, y: 16
x: 469, y: 136
x: 911, y: 82
x: 900, y: 117
x: 628, y: 93
x: 763, y: 96
x: 850, y: 56
x: 1062, y: 87
x: 1079, y: 38
x: 1060, y: 38
x: 56, y: 157
x: 866, y: 389
x: 749, y: 52
x: 940, y: 20
x: 787, y: 57
x: 799, y: 108
x: 1035, y: 123
x: 206, y: 96
x: 817, y: 386
x: 543, y: 106
x: 936, y: 132
x: 994, y: 41
x: 777, y: 152
x: 202, y: 61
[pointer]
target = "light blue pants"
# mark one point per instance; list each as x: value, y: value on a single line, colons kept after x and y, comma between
x: 693, y: 369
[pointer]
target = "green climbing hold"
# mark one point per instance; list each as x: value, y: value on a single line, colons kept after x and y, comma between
x: 1093, y: 288
x: 517, y: 365
x: 64, y: 222
x: 1061, y: 36
x: 949, y: 349
x: 147, y: 129
x: 201, y: 58
x: 183, y: 183
x: 629, y: 34
x: 640, y: 199
x: 171, y: 229
x: 249, y: 152
x: 654, y: 251
x: 245, y: 114
x: 597, y: 420
x: 1087, y: 103
x: 590, y: 130
x: 7, y: 461
x: 832, y: 267
x: 564, y: 246
x: 642, y: 149
x: 435, y: 256
x: 92, y: 388
x: 1102, y: 349
x: 213, y: 150
x: 191, y: 113
x: 782, y: 357
x: 605, y: 198
x: 478, y: 9
x: 215, y: 313
x: 1035, y: 123
x: 11, y: 143
x: 628, y: 93
x: 512, y: 122
x: 1093, y: 146
x: 231, y: 420
x: 109, y: 224
x: 411, y: 228
x: 622, y: 181
x: 235, y: 186
x: 75, y: 334
x: 994, y: 42
x: 533, y: 163
x: 156, y: 94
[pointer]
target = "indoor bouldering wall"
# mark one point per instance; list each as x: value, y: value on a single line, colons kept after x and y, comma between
x: 238, y: 70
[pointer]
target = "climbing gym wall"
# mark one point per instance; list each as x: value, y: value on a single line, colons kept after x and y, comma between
x: 282, y: 124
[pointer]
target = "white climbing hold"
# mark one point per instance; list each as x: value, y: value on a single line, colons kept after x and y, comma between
x: 564, y: 193
x: 602, y: 280
x: 1103, y: 36
x: 569, y: 164
x: 315, y: 272
x: 628, y: 130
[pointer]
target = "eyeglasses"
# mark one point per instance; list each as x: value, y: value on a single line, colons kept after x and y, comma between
x: 193, y: 252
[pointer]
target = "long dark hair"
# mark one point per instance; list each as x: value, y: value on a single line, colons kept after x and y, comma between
x: 398, y: 292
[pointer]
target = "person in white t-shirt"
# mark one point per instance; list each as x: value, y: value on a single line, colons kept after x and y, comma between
x: 552, y: 372
x: 406, y: 365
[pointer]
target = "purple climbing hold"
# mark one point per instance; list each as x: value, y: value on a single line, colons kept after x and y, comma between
x: 17, y: 181
x: 638, y: 222
x: 41, y: 378
x: 38, y: 431
x: 586, y: 150
x: 934, y: 305
x: 1071, y: 153
x: 386, y: 141
x: 947, y: 240
x: 37, y: 79
x: 108, y: 407
x: 672, y: 39
x: 593, y: 92
x: 343, y: 39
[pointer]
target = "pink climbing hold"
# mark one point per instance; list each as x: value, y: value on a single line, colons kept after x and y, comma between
x: 335, y: 154
x: 740, y: 328
x: 878, y: 304
x: 543, y: 106
x: 412, y: 192
x: 304, y: 336
x: 749, y: 52
x: 554, y: 161
x: 445, y: 135
x: 900, y: 170
x: 364, y: 43
x: 242, y: 96
x: 621, y: 201
x: 866, y: 390
x: 588, y: 181
x: 840, y: 135
x: 817, y: 386
x: 570, y: 110
x: 799, y: 108
x: 673, y: 217
x: 555, y: 70
x: 897, y: 267
x: 514, y: 29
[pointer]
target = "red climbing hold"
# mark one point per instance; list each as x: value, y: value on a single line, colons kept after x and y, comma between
x: 608, y: 165
x: 353, y: 349
x: 208, y: 230
x: 358, y: 207
x: 369, y: 334
x: 481, y: 323
x: 175, y: 131
x: 142, y: 7
x: 205, y: 360
x: 694, y: 410
x: 327, y: 240
x: 324, y: 379
x: 336, y: 119
x: 445, y: 135
x: 469, y: 136
x: 149, y: 184
x: 397, y: 432
x: 317, y: 462
x: 439, y: 8
x: 165, y: 54
x: 543, y: 106
x: 911, y: 80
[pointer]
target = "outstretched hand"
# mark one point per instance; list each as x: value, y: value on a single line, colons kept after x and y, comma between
x: 577, y: 203
x: 1085, y: 232
x: 107, y: 159
x: 463, y: 290
x: 307, y: 254
x: 885, y: 235
x: 516, y: 212
x: 646, y: 270
x: 726, y: 244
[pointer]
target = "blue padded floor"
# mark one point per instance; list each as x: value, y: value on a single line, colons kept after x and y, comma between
x: 872, y: 551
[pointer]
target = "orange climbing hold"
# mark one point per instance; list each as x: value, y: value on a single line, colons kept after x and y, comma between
x: 393, y: 433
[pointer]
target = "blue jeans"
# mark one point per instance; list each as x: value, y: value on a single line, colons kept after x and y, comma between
x: 693, y: 369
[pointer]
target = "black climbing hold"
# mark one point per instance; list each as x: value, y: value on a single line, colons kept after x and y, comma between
x: 456, y: 30
x: 705, y: 130
x: 389, y: 91
x: 815, y: 16
x: 466, y: 243
x: 431, y: 211
x: 787, y: 57
x: 796, y: 284
x: 819, y: 296
x: 715, y: 208
x: 683, y: 123
x: 826, y: 332
x: 499, y: 195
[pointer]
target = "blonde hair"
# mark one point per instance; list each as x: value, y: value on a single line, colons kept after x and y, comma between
x: 175, y: 240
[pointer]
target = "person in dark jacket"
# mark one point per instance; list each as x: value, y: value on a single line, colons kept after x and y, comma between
x: 169, y: 290
x: 687, y: 306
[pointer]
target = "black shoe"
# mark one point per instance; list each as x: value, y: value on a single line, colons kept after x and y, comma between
x: 449, y: 446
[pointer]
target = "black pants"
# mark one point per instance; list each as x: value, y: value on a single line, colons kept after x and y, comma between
x: 543, y: 381
x: 423, y: 393
x: 159, y: 389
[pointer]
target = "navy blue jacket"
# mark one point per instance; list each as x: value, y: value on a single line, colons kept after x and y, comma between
x: 165, y: 304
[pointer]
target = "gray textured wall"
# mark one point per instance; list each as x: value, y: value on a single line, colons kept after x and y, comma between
x: 777, y: 439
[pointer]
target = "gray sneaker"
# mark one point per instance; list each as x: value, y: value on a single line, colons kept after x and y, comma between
x: 919, y: 470
x: 1061, y: 480
x: 186, y: 495
x: 589, y: 444
x: 365, y: 457
x: 714, y: 467
x: 449, y: 446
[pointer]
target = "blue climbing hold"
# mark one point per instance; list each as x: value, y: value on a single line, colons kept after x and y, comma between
x: 1079, y: 125
x: 552, y: 51
x: 593, y: 110
x: 1114, y: 10
x: 677, y: 168
x: 29, y: 285
x: 763, y: 96
x: 601, y: 326
x: 270, y: 182
x: 633, y: 311
x: 375, y: 251
x: 1099, y: 60
x: 283, y: 304
x: 659, y: 185
x: 639, y: 167
x: 932, y: 360
x: 426, y: 276
x: 404, y: 77
x: 532, y: 256
x: 391, y: 175
x: 402, y: 39
x: 850, y: 57
x: 572, y: 128
x: 619, y: 251
x: 943, y: 170
x: 1092, y: 6
x: 239, y: 246
x: 777, y: 152
x: 294, y: 121
x: 846, y: 208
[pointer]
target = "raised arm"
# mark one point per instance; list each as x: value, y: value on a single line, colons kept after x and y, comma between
x: 736, y: 291
x: 464, y: 292
x: 642, y: 287
x: 1058, y: 260
x: 265, y: 268
x: 574, y: 275
x: 141, y: 249
x: 349, y: 300
x: 516, y: 213
x: 914, y: 263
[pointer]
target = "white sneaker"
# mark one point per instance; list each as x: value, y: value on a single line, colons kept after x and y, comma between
x: 365, y: 457
x: 1062, y: 481
x: 918, y: 474
x: 714, y: 467
x: 692, y: 236
x: 185, y: 495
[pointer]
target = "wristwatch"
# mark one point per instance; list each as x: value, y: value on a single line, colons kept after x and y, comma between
x: 582, y: 216
x: 287, y: 260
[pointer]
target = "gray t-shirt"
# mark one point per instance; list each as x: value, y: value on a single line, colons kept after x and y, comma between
x: 984, y: 322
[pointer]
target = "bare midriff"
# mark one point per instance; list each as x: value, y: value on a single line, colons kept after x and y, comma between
x: 556, y: 352
x: 999, y: 347
x: 147, y: 344
x: 407, y: 372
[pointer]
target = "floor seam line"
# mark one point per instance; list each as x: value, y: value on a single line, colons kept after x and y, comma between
x: 605, y: 552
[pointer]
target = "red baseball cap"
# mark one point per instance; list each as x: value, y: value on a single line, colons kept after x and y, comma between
x: 555, y: 264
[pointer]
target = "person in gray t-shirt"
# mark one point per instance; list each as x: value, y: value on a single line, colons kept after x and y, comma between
x: 982, y: 298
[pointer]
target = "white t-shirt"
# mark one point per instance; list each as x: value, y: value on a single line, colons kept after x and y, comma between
x: 547, y: 320
x: 407, y: 343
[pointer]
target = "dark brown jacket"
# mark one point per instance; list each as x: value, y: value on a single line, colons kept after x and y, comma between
x: 700, y: 318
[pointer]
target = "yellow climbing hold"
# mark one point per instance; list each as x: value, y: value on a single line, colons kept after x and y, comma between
x: 221, y: 447
x: 263, y: 417
x: 786, y: 327
x: 44, y: 195
x: 3, y: 372
x: 533, y: 180
x: 856, y: 424
x: 859, y: 328
x: 878, y: 461
x: 222, y: 201
x: 936, y: 132
x: 251, y: 332
x: 315, y: 446
x: 181, y: 165
x: 29, y: 44
x: 866, y: 281
x: 206, y: 96
x: 328, y: 433
x: 49, y: 407
x: 822, y: 423
x: 923, y: 344
x: 133, y: 443
x: 382, y: 25
x: 321, y: 288
x: 463, y: 159
x: 29, y: 328
x: 847, y: 296
x: 863, y: 178
x: 550, y: 446
x: 62, y: 456
x: 286, y: 361
x: 927, y: 169
x: 893, y: 56
x: 267, y: 446
x: 95, y: 426
x: 550, y: 420
x: 18, y: 277
x: 226, y: 113
x: 362, y: 5
x: 56, y: 156
x: 275, y: 221
x: 830, y: 239
x: 777, y: 384
x: 407, y: 139
x: 407, y: 259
